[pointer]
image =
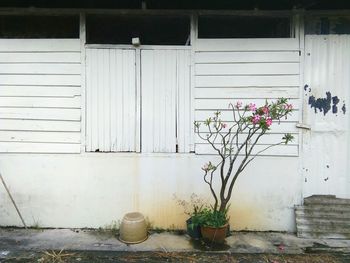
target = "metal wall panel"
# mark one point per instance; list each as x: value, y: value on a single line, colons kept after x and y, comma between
x: 326, y: 97
x: 111, y: 100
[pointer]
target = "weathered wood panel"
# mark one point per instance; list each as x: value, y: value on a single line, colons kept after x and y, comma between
x: 247, y: 69
x: 40, y: 68
x: 21, y: 147
x: 39, y: 45
x: 246, y: 57
x: 39, y: 102
x: 261, y: 44
x: 41, y: 113
x: 40, y: 95
x: 38, y: 136
x: 247, y: 93
x: 39, y: 91
x: 252, y: 71
x: 111, y: 100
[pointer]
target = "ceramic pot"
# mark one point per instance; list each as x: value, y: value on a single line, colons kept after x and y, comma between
x: 133, y: 228
x: 193, y: 231
x: 214, y: 234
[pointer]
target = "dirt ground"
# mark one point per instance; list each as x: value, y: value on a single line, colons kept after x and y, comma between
x: 70, y: 256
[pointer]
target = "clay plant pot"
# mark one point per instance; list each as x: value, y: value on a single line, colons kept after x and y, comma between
x: 133, y: 228
x: 214, y: 234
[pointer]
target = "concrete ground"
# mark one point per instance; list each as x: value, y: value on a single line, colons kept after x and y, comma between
x: 20, y: 243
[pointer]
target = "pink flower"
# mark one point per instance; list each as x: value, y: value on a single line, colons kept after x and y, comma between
x: 268, y: 122
x: 205, y: 167
x: 252, y: 107
x: 289, y: 106
x: 239, y: 104
x: 265, y: 110
x: 256, y: 119
x: 223, y: 125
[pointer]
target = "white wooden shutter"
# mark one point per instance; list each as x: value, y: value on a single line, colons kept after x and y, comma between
x: 111, y: 100
x: 165, y: 88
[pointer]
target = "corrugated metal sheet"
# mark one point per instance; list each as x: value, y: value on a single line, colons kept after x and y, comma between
x: 165, y: 87
x: 326, y: 95
x: 111, y: 100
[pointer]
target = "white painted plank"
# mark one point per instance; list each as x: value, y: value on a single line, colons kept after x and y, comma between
x: 184, y: 124
x: 247, y: 81
x: 22, y: 147
x: 40, y: 114
x: 223, y: 104
x: 47, y: 80
x: 256, y: 44
x: 37, y: 102
x: 25, y: 45
x: 247, y: 57
x: 280, y: 150
x: 37, y: 136
x: 271, y: 138
x: 39, y: 125
x: 276, y: 127
x: 226, y: 115
x: 40, y: 57
x: 247, y: 92
x: 40, y: 68
x: 39, y: 91
x: 247, y: 69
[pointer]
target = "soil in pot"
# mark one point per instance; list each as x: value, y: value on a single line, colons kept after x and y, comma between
x: 214, y: 234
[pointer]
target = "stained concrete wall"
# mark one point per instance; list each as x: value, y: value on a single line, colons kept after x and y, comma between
x: 92, y: 190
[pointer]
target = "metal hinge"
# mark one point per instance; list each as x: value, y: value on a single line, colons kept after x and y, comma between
x: 303, y: 126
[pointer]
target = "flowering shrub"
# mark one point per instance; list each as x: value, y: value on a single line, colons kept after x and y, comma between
x: 234, y: 142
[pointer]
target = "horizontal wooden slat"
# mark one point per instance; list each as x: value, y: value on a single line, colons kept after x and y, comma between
x: 285, y: 150
x: 223, y: 104
x: 36, y: 136
x: 246, y: 57
x: 256, y: 44
x: 47, y: 80
x: 40, y: 68
x: 266, y: 139
x: 39, y: 125
x: 227, y: 115
x: 49, y: 102
x: 40, y: 57
x: 39, y: 91
x: 247, y: 69
x: 21, y: 147
x: 247, y: 81
x: 25, y: 45
x: 40, y: 114
x: 247, y: 92
x: 282, y: 127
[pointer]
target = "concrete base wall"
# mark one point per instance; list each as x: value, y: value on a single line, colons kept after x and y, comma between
x: 93, y: 190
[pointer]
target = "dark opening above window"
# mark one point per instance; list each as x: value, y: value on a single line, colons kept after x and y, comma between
x: 327, y: 25
x: 152, y: 30
x: 29, y: 26
x: 243, y: 27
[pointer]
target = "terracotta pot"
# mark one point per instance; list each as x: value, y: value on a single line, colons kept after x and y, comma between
x: 214, y: 234
x: 133, y: 228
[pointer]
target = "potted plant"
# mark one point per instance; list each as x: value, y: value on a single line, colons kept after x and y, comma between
x: 213, y: 225
x: 234, y: 143
x: 193, y: 209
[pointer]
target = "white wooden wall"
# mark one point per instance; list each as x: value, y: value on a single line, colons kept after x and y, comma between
x: 166, y: 97
x: 250, y: 70
x: 111, y: 100
x: 40, y: 95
